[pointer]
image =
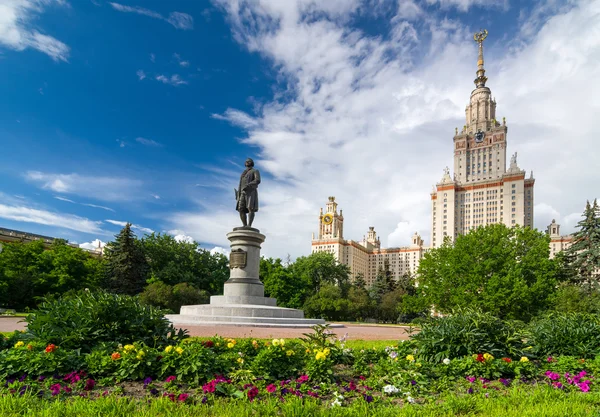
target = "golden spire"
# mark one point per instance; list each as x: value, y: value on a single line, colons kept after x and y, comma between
x: 481, y: 78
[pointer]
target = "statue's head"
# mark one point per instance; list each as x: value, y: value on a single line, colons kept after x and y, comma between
x: 249, y: 162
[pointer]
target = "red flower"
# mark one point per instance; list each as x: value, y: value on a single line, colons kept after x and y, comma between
x: 480, y: 358
x: 50, y: 348
x: 183, y: 397
x: 507, y: 360
x: 171, y: 378
x: 208, y: 343
x: 252, y: 393
x: 271, y: 388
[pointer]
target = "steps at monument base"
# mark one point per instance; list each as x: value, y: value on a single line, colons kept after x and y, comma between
x: 217, y: 300
x: 243, y: 321
x: 241, y: 310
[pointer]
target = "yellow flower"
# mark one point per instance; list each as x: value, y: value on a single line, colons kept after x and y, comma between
x: 410, y: 358
x: 281, y: 342
x: 418, y: 364
x: 179, y: 350
x: 129, y: 348
x: 487, y: 356
x: 275, y: 342
x: 524, y: 359
x: 240, y: 360
x: 232, y: 341
x: 230, y: 345
x: 320, y: 356
x: 140, y: 355
x: 19, y: 344
x: 254, y: 344
x: 326, y: 351
x: 289, y: 352
x: 168, y: 349
x: 307, y: 350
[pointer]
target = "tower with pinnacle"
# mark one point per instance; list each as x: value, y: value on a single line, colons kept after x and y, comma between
x: 481, y: 190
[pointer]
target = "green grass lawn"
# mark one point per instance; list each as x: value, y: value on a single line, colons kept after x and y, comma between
x: 541, y: 401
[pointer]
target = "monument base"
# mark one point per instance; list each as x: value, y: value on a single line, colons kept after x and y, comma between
x: 243, y: 302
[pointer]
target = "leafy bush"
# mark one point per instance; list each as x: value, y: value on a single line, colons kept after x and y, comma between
x: 86, y: 319
x: 279, y: 360
x: 571, y: 298
x: 38, y: 359
x: 467, y: 332
x: 161, y: 295
x: 576, y: 334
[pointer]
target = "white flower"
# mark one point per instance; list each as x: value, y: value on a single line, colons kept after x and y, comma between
x: 336, y: 403
x: 410, y: 399
x: 390, y: 389
x: 338, y: 400
x: 446, y: 361
x: 393, y: 354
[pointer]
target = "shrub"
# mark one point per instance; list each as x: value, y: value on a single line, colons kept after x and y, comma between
x: 159, y: 294
x: 279, y: 360
x: 575, y: 334
x: 86, y: 319
x: 467, y: 332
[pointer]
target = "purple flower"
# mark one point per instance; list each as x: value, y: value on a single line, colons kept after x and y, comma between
x: 41, y: 378
x: 204, y: 399
x: 471, y: 379
x: 284, y: 391
x: 504, y: 382
x: 413, y: 382
x: 55, y: 389
x: 89, y: 384
x: 23, y: 378
x: 154, y: 392
x: 147, y: 381
x: 470, y: 391
x: 368, y: 398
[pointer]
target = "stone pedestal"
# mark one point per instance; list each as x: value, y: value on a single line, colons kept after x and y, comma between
x: 243, y: 302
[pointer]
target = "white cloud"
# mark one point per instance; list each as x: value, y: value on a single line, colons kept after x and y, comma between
x: 152, y: 57
x: 16, y: 30
x: 177, y: 19
x: 97, y: 187
x: 32, y: 215
x: 219, y: 249
x: 83, y: 204
x: 133, y: 226
x: 156, y: 196
x: 141, y: 74
x: 175, y: 79
x: 93, y: 245
x: 371, y: 119
x: 148, y: 142
x: 465, y: 5
x: 180, y: 61
x: 181, y: 236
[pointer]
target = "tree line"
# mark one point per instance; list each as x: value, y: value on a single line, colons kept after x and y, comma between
x: 506, y: 271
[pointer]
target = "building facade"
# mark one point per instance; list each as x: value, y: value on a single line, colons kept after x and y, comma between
x: 364, y: 257
x: 558, y: 243
x: 482, y: 189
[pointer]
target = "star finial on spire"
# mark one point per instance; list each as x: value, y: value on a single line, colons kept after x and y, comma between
x: 479, y: 37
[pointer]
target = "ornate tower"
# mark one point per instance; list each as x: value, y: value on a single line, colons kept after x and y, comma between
x: 331, y: 224
x: 480, y: 148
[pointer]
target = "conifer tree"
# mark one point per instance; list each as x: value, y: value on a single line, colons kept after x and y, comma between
x: 389, y: 278
x: 359, y: 281
x: 126, y: 266
x: 584, y: 253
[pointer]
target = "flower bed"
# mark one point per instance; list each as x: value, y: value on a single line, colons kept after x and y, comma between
x: 317, y: 368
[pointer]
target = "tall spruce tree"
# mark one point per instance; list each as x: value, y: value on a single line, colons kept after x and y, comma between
x: 126, y: 267
x: 389, y: 277
x: 584, y: 253
x: 359, y: 281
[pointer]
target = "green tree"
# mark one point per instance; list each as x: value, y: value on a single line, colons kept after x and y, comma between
x: 389, y: 306
x: 584, y: 253
x: 126, y: 267
x: 321, y: 268
x: 379, y: 286
x: 361, y: 305
x: 327, y: 303
x: 359, y: 281
x: 501, y: 270
x: 389, y: 277
x: 29, y: 271
x: 281, y: 284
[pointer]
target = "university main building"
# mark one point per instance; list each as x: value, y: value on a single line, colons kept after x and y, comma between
x: 481, y: 191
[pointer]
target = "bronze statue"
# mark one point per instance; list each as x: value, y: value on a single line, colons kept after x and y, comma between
x: 247, y: 196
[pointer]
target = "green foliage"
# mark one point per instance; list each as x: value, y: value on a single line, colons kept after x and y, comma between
x: 570, y: 298
x: 174, y: 262
x: 576, y: 334
x: 388, y: 308
x: 278, y: 361
x: 126, y: 267
x: 501, y: 270
x: 321, y: 268
x: 361, y: 305
x: 280, y: 283
x: 85, y: 319
x: 28, y: 272
x: 467, y: 332
x: 584, y: 253
x: 169, y: 297
x: 328, y: 303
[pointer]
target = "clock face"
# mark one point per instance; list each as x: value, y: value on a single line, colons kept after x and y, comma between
x: 479, y: 136
x: 327, y: 219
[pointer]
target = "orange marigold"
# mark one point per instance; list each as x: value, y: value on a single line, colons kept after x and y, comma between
x: 115, y: 356
x: 50, y: 348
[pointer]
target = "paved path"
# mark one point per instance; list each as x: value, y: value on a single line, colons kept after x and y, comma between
x: 355, y: 331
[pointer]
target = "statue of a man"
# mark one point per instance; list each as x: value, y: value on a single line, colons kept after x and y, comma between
x: 247, y: 196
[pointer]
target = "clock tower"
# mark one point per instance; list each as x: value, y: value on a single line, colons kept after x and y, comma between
x: 482, y: 190
x: 331, y: 224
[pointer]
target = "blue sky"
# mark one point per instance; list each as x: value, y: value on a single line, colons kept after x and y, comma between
x: 144, y: 111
